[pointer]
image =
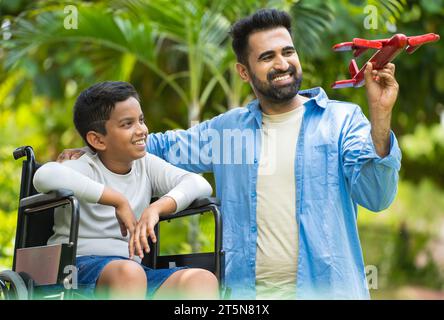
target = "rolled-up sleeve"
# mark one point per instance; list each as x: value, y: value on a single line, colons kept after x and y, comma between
x: 372, y: 180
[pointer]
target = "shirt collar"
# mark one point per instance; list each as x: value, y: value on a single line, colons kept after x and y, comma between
x: 316, y: 95
x: 255, y: 111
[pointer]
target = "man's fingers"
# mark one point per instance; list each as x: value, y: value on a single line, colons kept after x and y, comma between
x: 70, y: 154
x: 378, y: 75
x: 369, y: 73
x: 386, y: 77
x: 65, y: 155
x: 368, y: 68
x: 73, y: 155
x: 391, y: 67
x: 76, y: 155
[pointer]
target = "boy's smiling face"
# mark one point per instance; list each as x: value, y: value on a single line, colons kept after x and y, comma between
x: 126, y: 135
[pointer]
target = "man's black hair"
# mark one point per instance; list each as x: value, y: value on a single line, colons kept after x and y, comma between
x: 94, y: 105
x: 263, y: 19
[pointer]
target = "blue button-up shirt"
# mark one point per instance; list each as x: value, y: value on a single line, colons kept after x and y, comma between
x: 336, y: 168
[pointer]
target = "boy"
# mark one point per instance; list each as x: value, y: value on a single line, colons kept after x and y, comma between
x: 114, y: 186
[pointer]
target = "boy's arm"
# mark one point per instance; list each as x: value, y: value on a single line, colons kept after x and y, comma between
x: 124, y: 214
x: 53, y: 176
x: 178, y: 189
x: 182, y: 186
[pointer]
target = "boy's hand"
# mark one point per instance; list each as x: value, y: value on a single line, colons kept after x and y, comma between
x: 146, y: 224
x: 127, y: 222
x: 124, y: 214
x: 71, y: 154
x: 126, y: 218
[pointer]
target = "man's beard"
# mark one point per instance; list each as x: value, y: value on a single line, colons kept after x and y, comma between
x: 275, y: 93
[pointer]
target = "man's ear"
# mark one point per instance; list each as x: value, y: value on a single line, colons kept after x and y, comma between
x: 96, y: 140
x: 243, y: 71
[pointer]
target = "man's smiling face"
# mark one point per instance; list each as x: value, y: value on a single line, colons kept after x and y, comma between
x: 273, y: 66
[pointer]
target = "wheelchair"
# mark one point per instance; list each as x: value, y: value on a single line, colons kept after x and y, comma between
x: 47, y: 271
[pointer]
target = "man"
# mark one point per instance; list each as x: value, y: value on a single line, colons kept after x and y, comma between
x: 289, y: 195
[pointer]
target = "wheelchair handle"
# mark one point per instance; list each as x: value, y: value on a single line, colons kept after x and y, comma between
x: 27, y: 151
x: 28, y: 168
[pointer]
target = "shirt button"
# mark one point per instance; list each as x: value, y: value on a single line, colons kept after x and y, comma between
x: 253, y: 194
x: 252, y: 263
x: 253, y: 229
x: 255, y: 160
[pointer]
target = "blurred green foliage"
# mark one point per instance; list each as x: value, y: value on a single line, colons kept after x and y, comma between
x: 174, y: 235
x: 178, y: 55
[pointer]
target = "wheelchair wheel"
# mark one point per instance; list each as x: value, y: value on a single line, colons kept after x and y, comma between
x: 12, y: 286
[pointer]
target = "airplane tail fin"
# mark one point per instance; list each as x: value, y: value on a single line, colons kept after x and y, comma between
x: 353, y: 68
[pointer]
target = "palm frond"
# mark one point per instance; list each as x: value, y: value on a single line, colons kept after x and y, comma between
x: 310, y: 22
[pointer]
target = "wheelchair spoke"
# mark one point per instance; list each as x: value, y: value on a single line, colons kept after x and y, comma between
x: 5, y: 293
x: 12, y: 286
x: 2, y: 290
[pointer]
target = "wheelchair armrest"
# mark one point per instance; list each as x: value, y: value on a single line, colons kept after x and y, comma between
x: 41, y: 199
x: 198, y: 206
x: 203, y: 202
x: 38, y: 203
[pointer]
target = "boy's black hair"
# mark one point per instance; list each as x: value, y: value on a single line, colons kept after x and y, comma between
x: 94, y: 105
x: 263, y: 19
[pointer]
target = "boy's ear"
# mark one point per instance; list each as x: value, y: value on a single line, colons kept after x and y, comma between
x: 243, y: 72
x: 96, y: 140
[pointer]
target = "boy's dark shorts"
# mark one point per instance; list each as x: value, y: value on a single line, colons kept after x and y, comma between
x: 90, y: 267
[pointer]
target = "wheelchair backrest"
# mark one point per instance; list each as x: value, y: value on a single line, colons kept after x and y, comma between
x: 39, y: 227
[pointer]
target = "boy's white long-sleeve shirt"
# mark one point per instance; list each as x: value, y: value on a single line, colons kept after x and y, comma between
x: 99, y: 231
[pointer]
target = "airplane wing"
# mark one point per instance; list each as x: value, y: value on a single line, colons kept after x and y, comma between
x: 368, y: 44
x: 343, y: 46
x: 360, y: 45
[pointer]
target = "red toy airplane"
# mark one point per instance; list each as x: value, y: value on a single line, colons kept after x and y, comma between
x: 388, y: 49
